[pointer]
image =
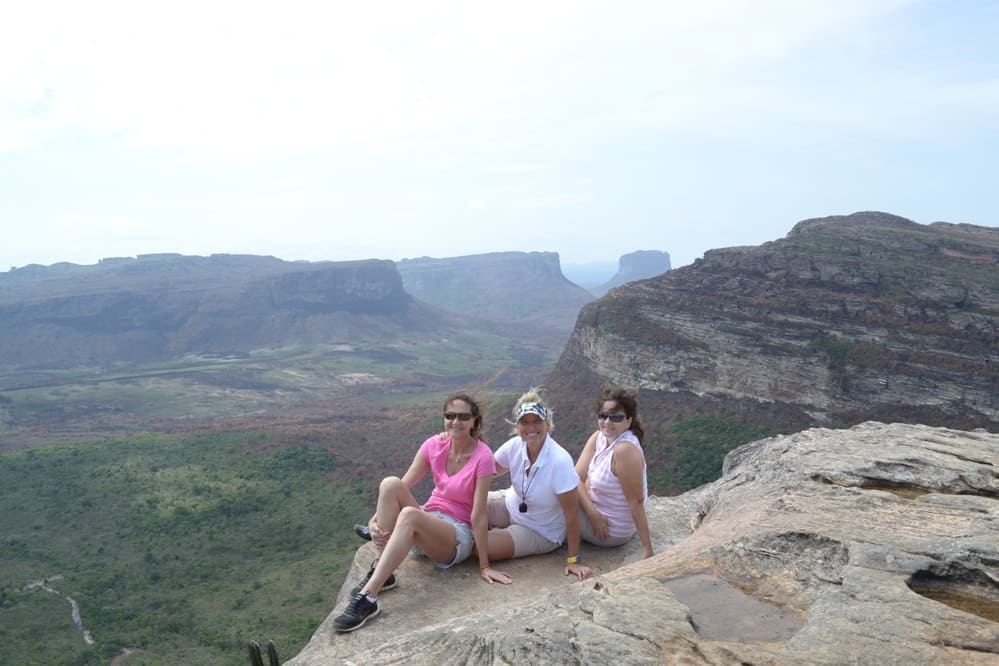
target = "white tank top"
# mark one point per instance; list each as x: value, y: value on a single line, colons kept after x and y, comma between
x: 605, y: 488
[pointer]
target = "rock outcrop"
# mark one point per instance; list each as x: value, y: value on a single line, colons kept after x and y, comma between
x: 873, y: 545
x: 161, y: 306
x: 514, y: 287
x: 638, y: 265
x: 862, y: 317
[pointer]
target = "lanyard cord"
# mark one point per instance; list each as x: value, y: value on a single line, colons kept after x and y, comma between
x: 526, y: 485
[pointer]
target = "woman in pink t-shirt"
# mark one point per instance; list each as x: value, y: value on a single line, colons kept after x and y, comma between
x: 447, y: 526
x: 612, y: 475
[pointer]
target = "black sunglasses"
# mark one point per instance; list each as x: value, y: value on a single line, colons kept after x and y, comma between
x: 616, y: 418
x: 461, y: 416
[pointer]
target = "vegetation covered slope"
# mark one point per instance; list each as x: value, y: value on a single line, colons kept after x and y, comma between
x: 181, y: 547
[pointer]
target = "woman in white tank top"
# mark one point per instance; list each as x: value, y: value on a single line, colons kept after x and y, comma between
x: 611, y: 468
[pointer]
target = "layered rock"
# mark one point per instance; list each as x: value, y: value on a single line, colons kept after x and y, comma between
x: 866, y: 316
x: 160, y: 306
x: 873, y: 545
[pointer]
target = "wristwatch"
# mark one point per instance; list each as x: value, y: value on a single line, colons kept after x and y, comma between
x: 574, y: 559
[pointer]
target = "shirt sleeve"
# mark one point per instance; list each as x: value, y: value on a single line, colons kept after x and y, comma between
x: 427, y: 449
x: 486, y: 465
x: 565, y: 477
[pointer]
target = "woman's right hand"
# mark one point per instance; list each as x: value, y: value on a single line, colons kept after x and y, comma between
x: 598, y: 522
x: 491, y: 575
x: 378, y: 537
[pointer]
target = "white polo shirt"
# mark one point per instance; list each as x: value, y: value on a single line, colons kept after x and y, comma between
x: 552, y: 474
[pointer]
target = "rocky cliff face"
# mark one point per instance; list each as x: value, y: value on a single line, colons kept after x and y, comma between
x: 873, y: 545
x: 866, y: 316
x: 638, y: 265
x: 520, y: 287
x: 158, y: 306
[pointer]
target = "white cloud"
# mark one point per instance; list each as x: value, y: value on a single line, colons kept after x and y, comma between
x: 250, y: 81
x: 377, y: 128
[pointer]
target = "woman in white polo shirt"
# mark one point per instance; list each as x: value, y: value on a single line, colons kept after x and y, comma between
x: 540, y: 509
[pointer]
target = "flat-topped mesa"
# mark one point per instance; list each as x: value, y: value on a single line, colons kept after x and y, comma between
x: 639, y: 265
x: 162, y: 306
x: 519, y: 287
x: 876, y: 544
x: 865, y: 316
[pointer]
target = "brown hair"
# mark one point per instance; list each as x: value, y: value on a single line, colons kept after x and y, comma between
x: 476, y: 428
x: 627, y: 401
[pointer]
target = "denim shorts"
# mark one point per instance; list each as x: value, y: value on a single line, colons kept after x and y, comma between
x: 466, y: 539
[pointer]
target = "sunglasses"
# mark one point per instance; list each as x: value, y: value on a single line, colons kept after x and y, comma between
x: 461, y: 416
x: 616, y: 418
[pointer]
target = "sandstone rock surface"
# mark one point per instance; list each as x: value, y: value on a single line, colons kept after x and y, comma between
x: 878, y: 544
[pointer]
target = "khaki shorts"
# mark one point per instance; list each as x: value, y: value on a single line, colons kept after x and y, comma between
x: 587, y: 534
x: 525, y: 541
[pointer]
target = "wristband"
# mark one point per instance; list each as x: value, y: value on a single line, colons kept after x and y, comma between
x: 483, y: 567
x: 574, y: 559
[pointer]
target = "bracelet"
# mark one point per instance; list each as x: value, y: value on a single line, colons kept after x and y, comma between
x: 574, y: 559
x: 483, y: 567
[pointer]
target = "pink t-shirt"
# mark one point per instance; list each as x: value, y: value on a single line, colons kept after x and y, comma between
x: 454, y: 495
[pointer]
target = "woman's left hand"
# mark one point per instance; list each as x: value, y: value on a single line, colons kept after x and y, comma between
x: 491, y: 575
x: 580, y: 570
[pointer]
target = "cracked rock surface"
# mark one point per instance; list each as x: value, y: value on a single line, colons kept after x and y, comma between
x: 878, y: 544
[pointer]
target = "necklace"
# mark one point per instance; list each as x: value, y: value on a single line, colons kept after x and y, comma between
x: 461, y: 456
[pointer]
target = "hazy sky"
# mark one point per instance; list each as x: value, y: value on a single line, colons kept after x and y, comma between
x: 348, y: 130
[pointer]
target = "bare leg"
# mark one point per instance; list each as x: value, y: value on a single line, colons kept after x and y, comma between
x: 438, y: 539
x: 500, y: 545
x: 393, y: 497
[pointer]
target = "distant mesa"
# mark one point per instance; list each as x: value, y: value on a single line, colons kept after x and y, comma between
x: 161, y: 306
x: 511, y: 287
x: 638, y: 265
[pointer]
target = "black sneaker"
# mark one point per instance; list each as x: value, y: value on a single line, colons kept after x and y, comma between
x: 388, y: 585
x: 363, y: 531
x: 358, y: 611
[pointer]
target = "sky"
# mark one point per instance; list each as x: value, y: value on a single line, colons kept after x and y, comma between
x: 328, y: 130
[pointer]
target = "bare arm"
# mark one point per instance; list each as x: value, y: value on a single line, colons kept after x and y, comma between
x: 597, y: 520
x: 629, y: 467
x: 480, y: 527
x: 417, y: 470
x: 570, y: 507
x: 586, y: 455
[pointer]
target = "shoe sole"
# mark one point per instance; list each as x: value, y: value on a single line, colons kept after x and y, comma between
x: 361, y: 623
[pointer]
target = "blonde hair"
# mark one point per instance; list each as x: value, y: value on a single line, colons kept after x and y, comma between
x: 532, y: 394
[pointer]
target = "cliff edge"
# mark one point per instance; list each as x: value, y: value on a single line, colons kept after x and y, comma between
x: 874, y: 544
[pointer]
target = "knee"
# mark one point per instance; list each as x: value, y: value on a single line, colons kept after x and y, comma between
x: 408, y: 517
x: 390, y: 485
